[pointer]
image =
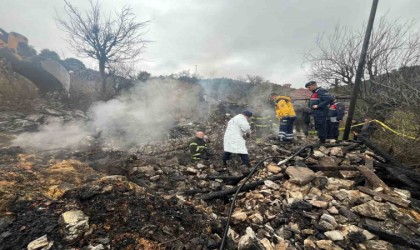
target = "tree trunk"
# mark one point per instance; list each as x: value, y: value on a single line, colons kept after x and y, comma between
x: 103, y: 79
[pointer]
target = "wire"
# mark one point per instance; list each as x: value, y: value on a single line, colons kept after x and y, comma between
x: 222, y: 245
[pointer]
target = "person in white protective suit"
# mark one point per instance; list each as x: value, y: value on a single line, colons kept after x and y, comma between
x: 233, y: 141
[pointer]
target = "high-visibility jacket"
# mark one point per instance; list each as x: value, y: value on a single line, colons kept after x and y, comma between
x: 284, y: 107
x: 198, y: 149
x: 261, y: 121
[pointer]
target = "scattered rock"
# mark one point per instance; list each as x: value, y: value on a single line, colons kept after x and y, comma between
x: 336, y: 151
x: 273, y: 168
x: 74, y: 224
x: 327, y: 162
x: 300, y: 175
x: 249, y: 241
x: 239, y: 216
x: 334, y: 235
x: 41, y: 243
x: 372, y: 209
x: 319, y: 204
x: 327, y: 222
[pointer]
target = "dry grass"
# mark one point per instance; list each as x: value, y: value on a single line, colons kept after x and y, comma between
x: 404, y: 149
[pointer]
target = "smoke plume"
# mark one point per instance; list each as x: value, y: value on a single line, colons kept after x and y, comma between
x: 145, y: 113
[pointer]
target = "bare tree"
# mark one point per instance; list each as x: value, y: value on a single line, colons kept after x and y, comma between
x: 108, y: 38
x: 395, y: 47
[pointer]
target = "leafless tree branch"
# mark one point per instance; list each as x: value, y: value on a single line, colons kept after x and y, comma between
x: 110, y: 39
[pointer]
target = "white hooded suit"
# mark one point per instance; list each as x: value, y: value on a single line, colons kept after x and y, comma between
x: 233, y: 140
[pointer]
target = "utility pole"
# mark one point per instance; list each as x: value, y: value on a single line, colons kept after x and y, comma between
x: 359, y: 72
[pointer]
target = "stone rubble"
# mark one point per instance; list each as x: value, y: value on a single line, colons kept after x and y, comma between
x: 148, y: 197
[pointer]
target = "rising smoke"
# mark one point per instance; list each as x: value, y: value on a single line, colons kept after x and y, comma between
x: 145, y: 113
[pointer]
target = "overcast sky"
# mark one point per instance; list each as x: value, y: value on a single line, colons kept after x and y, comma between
x: 224, y: 38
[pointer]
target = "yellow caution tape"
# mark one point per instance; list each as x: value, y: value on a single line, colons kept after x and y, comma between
x: 395, y: 132
x: 386, y: 127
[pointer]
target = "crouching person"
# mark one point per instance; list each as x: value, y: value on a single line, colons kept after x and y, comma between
x: 198, y: 148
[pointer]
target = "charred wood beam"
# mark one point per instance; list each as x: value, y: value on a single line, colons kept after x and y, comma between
x: 194, y: 191
x: 224, y: 177
x: 227, y: 179
x: 373, y: 178
x: 379, y: 151
x: 389, y: 158
x: 393, y: 232
x: 402, y: 177
x: 339, y: 168
x: 379, y: 159
x: 342, y: 144
x: 351, y: 147
x: 407, y: 170
x: 246, y: 187
x: 399, y: 202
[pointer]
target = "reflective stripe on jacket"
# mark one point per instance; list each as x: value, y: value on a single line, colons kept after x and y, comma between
x: 261, y: 121
x: 197, y: 147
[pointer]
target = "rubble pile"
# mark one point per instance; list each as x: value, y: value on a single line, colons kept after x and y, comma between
x: 322, y: 210
x: 153, y: 197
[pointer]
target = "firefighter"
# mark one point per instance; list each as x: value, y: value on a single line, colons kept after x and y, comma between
x: 286, y: 115
x: 261, y: 123
x: 319, y: 103
x: 335, y: 115
x: 198, y: 147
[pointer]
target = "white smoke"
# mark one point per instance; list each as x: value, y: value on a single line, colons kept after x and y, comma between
x: 55, y: 134
x: 145, y: 113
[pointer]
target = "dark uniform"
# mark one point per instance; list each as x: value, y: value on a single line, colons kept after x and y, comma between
x: 335, y: 115
x: 303, y: 118
x: 262, y: 125
x: 199, y: 150
x: 322, y: 98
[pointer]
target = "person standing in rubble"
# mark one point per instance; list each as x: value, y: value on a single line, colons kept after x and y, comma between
x: 335, y: 115
x: 198, y: 147
x: 319, y: 103
x: 261, y: 122
x: 286, y: 115
x: 233, y: 141
x: 303, y: 118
